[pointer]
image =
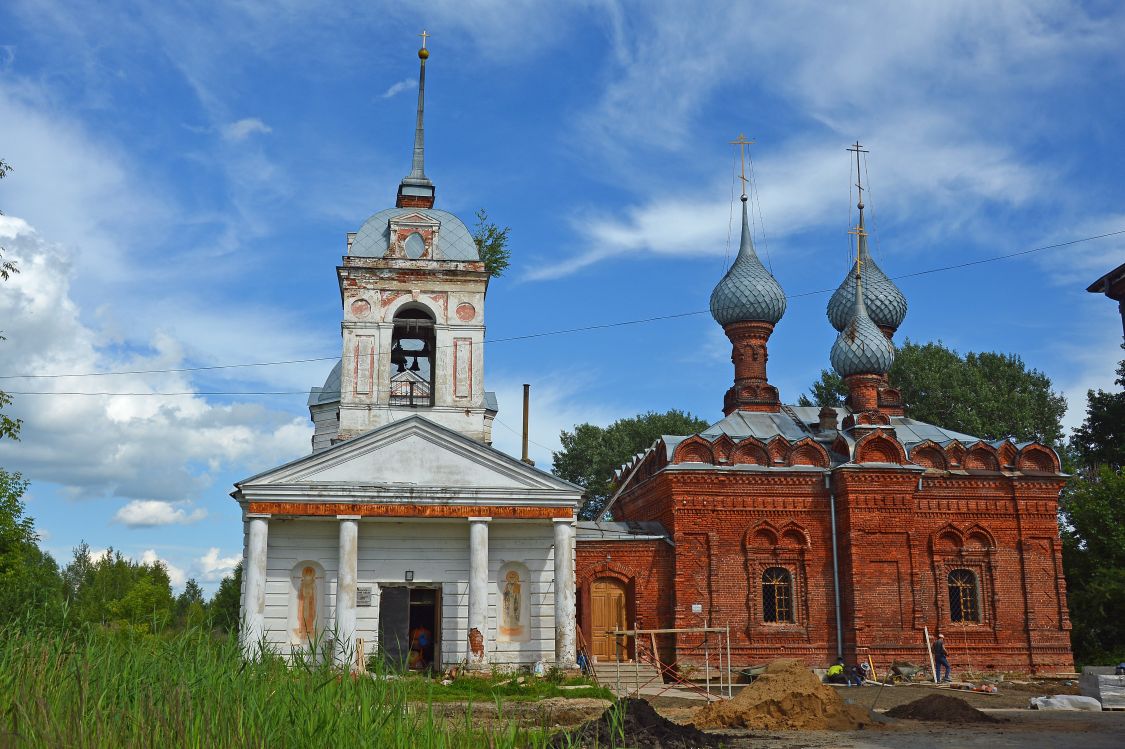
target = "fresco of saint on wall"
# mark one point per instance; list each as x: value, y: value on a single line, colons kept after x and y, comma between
x: 513, y: 612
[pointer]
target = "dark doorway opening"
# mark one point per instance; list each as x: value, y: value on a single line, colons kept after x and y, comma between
x: 409, y: 627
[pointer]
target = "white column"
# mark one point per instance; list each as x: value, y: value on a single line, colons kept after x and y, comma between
x: 478, y: 591
x: 565, y: 615
x: 253, y: 612
x: 346, y: 574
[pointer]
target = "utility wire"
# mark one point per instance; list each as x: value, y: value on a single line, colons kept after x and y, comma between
x: 528, y: 336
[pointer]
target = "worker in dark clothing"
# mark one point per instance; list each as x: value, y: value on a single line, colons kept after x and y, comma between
x: 941, y: 658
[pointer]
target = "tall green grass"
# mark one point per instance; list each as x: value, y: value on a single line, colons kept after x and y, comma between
x: 99, y: 688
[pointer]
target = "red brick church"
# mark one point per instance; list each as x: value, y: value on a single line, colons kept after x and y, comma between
x: 813, y: 532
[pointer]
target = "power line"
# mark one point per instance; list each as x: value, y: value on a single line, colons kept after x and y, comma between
x: 528, y: 336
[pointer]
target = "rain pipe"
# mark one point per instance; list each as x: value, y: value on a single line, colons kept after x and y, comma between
x: 835, y: 566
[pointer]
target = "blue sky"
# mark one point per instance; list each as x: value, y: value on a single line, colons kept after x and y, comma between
x: 185, y: 174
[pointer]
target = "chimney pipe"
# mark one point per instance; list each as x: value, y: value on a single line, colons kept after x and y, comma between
x: 526, y: 410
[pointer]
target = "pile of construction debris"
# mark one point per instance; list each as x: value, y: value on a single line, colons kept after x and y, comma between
x: 787, y: 696
x: 941, y: 708
x: 633, y: 723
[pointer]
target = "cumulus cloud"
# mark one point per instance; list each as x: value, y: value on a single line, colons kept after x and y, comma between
x: 146, y: 513
x: 399, y: 87
x: 140, y: 445
x: 214, y: 567
x: 175, y: 575
x: 244, y: 128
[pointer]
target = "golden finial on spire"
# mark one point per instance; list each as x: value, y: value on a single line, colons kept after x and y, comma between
x: 742, y: 143
x: 424, y: 53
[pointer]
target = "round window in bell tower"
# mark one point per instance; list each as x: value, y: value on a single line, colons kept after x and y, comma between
x: 415, y: 246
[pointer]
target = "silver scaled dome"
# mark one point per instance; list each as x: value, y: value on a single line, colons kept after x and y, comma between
x: 861, y: 348
x: 748, y: 292
x: 885, y: 304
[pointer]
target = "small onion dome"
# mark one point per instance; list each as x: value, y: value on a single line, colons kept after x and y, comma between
x: 748, y: 292
x: 861, y: 348
x: 885, y: 303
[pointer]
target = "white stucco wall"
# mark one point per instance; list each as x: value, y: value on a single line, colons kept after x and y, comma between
x: 437, y: 552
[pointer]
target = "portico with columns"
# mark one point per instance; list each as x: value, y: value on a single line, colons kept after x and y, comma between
x: 404, y: 533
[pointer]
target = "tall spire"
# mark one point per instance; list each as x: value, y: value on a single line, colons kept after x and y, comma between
x: 416, y: 190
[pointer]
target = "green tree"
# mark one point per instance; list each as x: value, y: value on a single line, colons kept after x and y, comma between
x: 1092, y: 524
x: 987, y: 395
x: 190, y: 605
x: 30, y: 587
x: 590, y: 454
x: 1100, y: 441
x: 101, y: 590
x: 492, y: 244
x: 225, y: 607
x: 7, y: 267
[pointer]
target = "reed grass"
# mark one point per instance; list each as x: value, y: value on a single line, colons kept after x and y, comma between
x: 93, y: 687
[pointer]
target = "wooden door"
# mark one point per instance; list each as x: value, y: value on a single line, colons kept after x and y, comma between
x: 607, y: 612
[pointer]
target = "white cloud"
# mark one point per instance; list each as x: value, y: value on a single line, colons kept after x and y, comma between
x: 143, y: 446
x: 399, y: 87
x: 214, y: 567
x: 146, y: 513
x: 175, y: 575
x: 244, y: 128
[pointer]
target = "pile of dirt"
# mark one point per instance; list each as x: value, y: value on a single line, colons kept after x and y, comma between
x: 786, y: 696
x: 639, y: 727
x: 941, y: 707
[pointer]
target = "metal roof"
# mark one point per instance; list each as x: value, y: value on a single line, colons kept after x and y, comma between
x: 454, y: 241
x: 795, y: 422
x: 490, y: 402
x: 330, y: 391
x: 631, y: 530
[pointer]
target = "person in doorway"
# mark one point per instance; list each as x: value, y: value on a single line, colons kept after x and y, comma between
x: 941, y: 658
x: 420, y: 640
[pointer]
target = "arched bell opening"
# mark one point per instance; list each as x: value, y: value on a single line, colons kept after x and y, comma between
x: 412, y: 359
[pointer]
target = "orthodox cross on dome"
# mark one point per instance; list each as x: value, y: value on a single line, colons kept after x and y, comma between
x: 858, y: 231
x: 742, y: 143
x: 424, y: 36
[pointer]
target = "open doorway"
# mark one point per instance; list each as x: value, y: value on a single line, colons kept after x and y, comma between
x: 410, y: 627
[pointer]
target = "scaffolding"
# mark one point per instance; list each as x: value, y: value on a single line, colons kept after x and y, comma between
x: 714, y: 643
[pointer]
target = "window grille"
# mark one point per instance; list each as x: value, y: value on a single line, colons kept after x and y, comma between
x: 777, y: 595
x: 963, y: 603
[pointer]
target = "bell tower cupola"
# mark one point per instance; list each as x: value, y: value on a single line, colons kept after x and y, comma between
x: 412, y: 288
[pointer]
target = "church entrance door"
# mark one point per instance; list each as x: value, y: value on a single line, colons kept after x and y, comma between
x: 409, y: 622
x: 607, y: 612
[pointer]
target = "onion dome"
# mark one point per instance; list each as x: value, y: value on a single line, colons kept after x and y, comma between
x: 861, y: 348
x: 885, y: 304
x: 748, y: 292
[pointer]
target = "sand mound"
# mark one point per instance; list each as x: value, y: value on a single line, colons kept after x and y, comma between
x: 641, y: 727
x: 941, y: 707
x: 786, y: 696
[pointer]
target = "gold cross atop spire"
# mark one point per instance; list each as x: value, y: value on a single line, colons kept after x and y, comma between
x: 742, y: 143
x: 424, y: 36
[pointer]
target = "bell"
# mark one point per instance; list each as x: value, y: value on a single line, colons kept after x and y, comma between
x: 398, y: 356
x: 414, y: 367
x: 426, y: 352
